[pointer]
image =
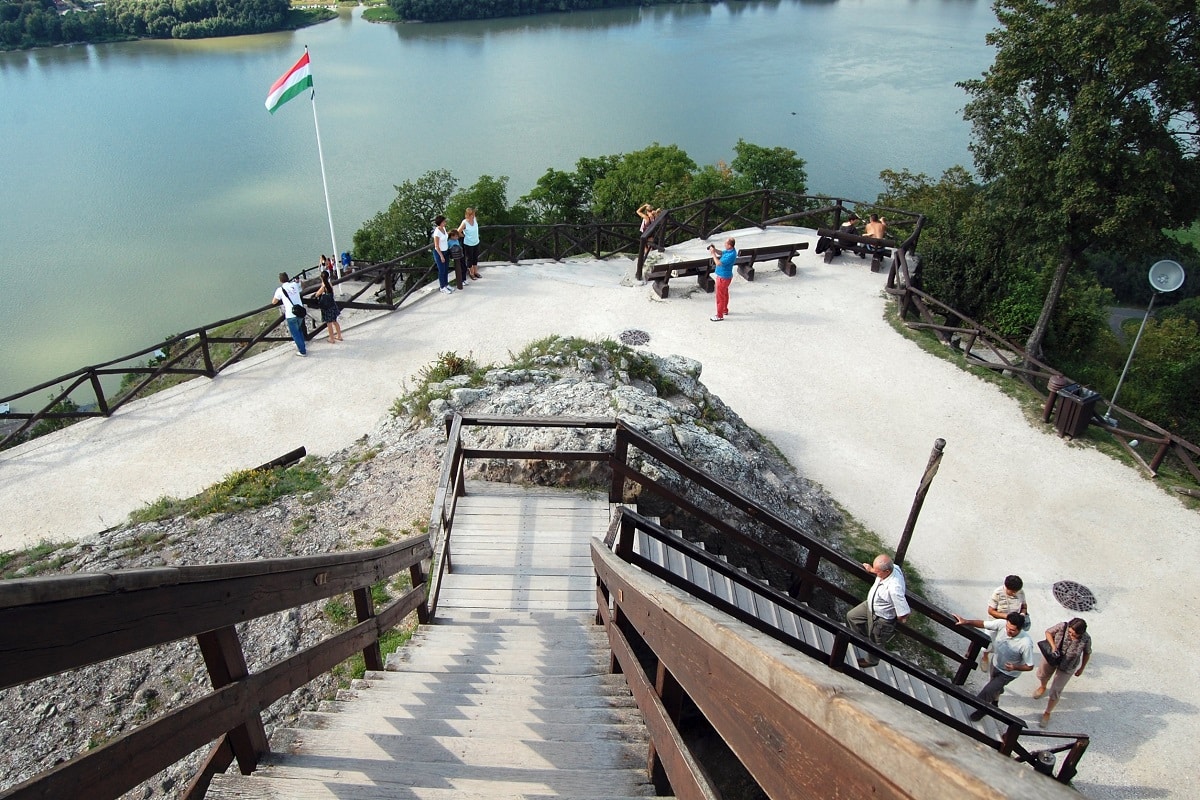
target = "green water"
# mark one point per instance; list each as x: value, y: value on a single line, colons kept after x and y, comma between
x: 146, y: 190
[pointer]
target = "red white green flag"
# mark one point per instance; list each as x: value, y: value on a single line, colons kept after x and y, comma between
x: 293, y: 82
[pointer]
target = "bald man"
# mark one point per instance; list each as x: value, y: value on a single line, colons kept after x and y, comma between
x: 885, y: 607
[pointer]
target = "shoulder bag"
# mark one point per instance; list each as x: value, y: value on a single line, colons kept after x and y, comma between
x: 1053, y: 655
x: 298, y: 310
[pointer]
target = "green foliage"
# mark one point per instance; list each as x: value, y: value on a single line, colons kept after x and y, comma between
x: 1076, y: 128
x: 657, y: 175
x: 431, y: 384
x: 407, y: 223
x: 43, y: 557
x: 44, y: 426
x: 489, y: 197
x: 239, y: 490
x: 33, y: 24
x: 776, y: 168
x: 1186, y: 309
x: 338, y: 612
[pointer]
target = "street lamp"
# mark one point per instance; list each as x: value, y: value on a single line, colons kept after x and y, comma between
x: 1165, y: 276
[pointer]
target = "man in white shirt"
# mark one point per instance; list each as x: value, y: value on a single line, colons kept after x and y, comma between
x: 1012, y: 654
x: 290, y: 294
x: 886, y: 606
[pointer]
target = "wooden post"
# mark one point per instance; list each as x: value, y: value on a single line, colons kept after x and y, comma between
x: 364, y: 608
x: 935, y: 459
x: 671, y: 694
x: 226, y: 664
x: 208, y: 365
x: 616, y: 489
x: 101, y: 401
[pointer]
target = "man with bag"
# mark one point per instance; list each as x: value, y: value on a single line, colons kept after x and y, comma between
x: 289, y: 295
x: 1066, y: 650
x: 1012, y: 654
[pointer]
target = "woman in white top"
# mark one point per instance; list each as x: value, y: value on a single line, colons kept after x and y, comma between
x: 441, y: 243
x: 469, y: 228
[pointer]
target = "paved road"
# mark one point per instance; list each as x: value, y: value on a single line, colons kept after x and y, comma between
x: 809, y: 362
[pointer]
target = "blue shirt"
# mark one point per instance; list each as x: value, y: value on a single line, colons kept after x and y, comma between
x: 725, y: 266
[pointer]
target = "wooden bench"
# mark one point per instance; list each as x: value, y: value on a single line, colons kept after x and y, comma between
x: 831, y: 244
x: 782, y: 253
x: 660, y: 274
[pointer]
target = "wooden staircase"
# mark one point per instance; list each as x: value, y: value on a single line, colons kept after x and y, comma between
x: 507, y: 695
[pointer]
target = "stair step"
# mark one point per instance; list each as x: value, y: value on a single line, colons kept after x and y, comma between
x: 378, y: 779
x: 428, y: 706
x: 463, y: 751
x: 630, y: 731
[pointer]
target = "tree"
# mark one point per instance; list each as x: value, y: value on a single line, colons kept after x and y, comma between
x: 759, y: 167
x: 489, y: 197
x: 1084, y: 130
x: 658, y: 174
x: 406, y: 224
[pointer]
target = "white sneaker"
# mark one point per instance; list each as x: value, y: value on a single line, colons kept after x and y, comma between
x: 446, y: 290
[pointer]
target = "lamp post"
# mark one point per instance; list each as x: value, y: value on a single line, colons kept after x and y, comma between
x: 1165, y: 276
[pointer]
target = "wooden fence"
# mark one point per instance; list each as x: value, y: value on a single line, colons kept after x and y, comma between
x: 52, y: 625
x: 922, y: 311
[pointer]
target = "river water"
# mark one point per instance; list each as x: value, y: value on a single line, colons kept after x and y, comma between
x: 146, y: 190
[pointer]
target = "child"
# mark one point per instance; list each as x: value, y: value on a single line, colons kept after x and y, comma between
x: 457, y: 256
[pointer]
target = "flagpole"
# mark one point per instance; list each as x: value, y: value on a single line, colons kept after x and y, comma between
x: 325, y: 183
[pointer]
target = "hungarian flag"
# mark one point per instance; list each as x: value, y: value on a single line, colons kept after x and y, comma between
x: 292, y: 83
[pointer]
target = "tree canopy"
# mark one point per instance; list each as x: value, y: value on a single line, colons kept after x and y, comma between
x: 1084, y: 131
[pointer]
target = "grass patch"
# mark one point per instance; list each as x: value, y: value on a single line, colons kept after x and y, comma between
x: 338, y: 612
x: 240, y: 490
x: 43, y: 557
x: 431, y: 384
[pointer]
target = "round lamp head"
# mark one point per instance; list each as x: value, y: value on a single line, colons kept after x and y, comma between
x: 1166, y: 276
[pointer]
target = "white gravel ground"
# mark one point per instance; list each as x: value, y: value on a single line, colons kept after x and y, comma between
x: 810, y: 362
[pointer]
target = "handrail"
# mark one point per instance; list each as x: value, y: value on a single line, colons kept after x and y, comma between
x: 106, y: 403
x: 788, y: 726
x: 843, y: 637
x: 807, y: 575
x: 55, y: 624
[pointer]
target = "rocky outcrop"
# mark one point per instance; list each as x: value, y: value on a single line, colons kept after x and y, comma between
x: 380, y: 489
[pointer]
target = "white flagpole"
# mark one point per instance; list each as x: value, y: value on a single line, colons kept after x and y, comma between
x: 324, y: 183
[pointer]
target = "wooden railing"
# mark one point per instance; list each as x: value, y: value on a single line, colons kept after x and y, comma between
x: 53, y: 625
x: 922, y: 311
x: 383, y: 287
x: 797, y: 733
x: 620, y: 538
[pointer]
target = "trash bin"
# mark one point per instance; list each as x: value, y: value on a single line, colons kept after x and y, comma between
x: 1075, y: 406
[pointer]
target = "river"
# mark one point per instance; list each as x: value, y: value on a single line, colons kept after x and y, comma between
x: 146, y: 189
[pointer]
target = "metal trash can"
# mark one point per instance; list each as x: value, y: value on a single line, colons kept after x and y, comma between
x: 1075, y: 407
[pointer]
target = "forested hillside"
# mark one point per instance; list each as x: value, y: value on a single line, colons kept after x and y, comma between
x: 35, y: 23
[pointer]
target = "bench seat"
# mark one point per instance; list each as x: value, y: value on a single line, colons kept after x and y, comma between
x: 660, y: 274
x: 831, y: 243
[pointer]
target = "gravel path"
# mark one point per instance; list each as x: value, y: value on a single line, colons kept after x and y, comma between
x: 811, y: 363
